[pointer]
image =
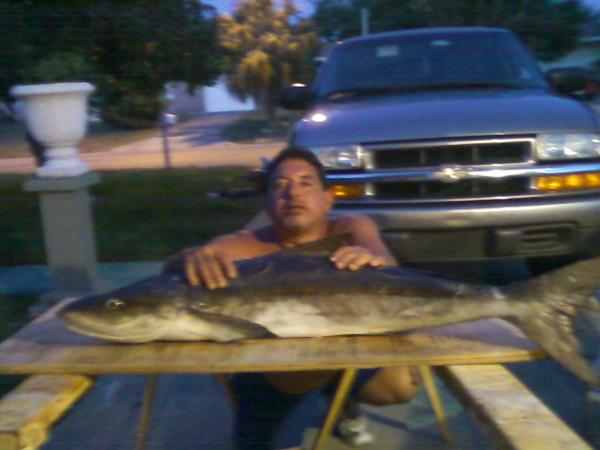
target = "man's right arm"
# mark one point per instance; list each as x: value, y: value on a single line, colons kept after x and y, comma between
x: 212, y: 264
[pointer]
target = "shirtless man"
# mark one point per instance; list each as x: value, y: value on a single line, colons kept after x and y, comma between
x: 298, y: 202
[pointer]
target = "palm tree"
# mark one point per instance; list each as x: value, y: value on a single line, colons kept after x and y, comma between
x: 266, y: 48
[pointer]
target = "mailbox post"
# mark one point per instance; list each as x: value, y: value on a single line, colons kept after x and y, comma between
x: 167, y: 120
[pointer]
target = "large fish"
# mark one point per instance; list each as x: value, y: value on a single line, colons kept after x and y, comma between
x: 298, y: 293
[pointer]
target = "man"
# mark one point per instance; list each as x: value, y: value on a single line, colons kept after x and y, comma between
x: 298, y: 201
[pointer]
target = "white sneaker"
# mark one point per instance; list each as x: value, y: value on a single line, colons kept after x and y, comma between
x: 593, y: 395
x: 354, y: 431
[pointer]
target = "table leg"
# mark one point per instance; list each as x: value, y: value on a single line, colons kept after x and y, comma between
x: 343, y: 389
x: 223, y: 380
x: 434, y: 399
x: 146, y: 410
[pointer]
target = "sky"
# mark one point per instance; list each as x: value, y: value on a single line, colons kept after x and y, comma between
x: 594, y: 4
x: 306, y: 7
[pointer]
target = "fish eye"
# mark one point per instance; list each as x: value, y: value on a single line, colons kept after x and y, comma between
x: 114, y: 303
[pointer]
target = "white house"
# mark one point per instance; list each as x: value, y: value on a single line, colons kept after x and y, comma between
x: 205, y: 99
x: 585, y: 54
x: 217, y: 98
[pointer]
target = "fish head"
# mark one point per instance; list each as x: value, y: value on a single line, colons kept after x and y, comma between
x: 135, y: 314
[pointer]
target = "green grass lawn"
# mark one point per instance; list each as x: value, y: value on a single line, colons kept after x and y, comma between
x: 139, y: 215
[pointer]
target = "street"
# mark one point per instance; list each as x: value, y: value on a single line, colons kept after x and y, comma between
x: 196, y: 142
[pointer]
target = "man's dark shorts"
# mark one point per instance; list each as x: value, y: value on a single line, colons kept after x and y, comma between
x: 265, y: 418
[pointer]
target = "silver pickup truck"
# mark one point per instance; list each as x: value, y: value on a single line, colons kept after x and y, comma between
x: 456, y: 144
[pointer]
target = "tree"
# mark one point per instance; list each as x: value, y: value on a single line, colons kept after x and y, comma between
x: 128, y: 48
x: 265, y: 49
x: 549, y: 27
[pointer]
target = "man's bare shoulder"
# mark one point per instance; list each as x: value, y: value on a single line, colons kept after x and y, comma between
x: 365, y: 233
x: 237, y: 242
x: 350, y: 223
x: 240, y: 237
x: 245, y: 243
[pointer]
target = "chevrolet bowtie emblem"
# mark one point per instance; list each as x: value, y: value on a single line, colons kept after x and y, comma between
x: 451, y: 174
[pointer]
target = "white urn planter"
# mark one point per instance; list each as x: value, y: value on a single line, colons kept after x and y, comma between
x: 56, y: 116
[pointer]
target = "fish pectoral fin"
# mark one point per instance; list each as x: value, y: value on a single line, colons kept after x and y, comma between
x: 224, y: 328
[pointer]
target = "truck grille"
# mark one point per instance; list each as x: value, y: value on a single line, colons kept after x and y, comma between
x: 430, y: 157
x: 465, y: 189
x: 458, y: 153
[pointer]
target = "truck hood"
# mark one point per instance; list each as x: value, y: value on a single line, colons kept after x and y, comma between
x: 434, y: 115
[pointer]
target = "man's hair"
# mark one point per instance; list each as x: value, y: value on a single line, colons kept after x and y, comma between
x: 296, y: 153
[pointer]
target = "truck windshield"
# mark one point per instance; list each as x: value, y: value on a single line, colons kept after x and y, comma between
x: 416, y: 62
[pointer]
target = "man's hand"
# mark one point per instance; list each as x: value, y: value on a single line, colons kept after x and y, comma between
x: 209, y: 266
x: 355, y: 257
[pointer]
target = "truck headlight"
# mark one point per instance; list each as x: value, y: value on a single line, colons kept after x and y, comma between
x: 567, y: 146
x: 340, y: 157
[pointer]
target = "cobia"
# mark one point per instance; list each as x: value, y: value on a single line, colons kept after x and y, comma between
x: 298, y: 293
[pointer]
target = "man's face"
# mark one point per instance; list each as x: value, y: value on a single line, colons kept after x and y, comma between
x: 297, y: 199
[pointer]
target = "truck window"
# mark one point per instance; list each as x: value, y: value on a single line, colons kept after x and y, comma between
x: 427, y: 60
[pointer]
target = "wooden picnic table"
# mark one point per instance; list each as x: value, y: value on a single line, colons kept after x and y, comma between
x: 46, y: 346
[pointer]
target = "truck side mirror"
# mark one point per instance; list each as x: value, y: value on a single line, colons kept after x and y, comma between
x: 567, y: 81
x: 296, y: 97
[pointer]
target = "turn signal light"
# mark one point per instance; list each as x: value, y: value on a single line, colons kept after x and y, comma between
x: 348, y: 191
x: 580, y: 181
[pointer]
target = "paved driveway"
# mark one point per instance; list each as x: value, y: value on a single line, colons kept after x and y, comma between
x: 197, y: 142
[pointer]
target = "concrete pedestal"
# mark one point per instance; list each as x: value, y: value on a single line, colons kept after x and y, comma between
x: 69, y: 236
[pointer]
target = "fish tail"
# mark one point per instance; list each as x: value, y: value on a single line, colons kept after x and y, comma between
x: 553, y: 300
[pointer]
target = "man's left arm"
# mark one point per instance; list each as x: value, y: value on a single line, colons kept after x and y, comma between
x: 367, y: 247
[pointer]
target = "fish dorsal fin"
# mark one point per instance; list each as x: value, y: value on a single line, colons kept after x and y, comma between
x: 322, y: 247
x: 300, y: 257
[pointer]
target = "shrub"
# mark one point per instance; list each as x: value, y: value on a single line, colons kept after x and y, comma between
x: 61, y: 67
x: 134, y: 110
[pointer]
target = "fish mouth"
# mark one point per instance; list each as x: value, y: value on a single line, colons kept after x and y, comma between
x: 129, y: 339
x: 91, y: 327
